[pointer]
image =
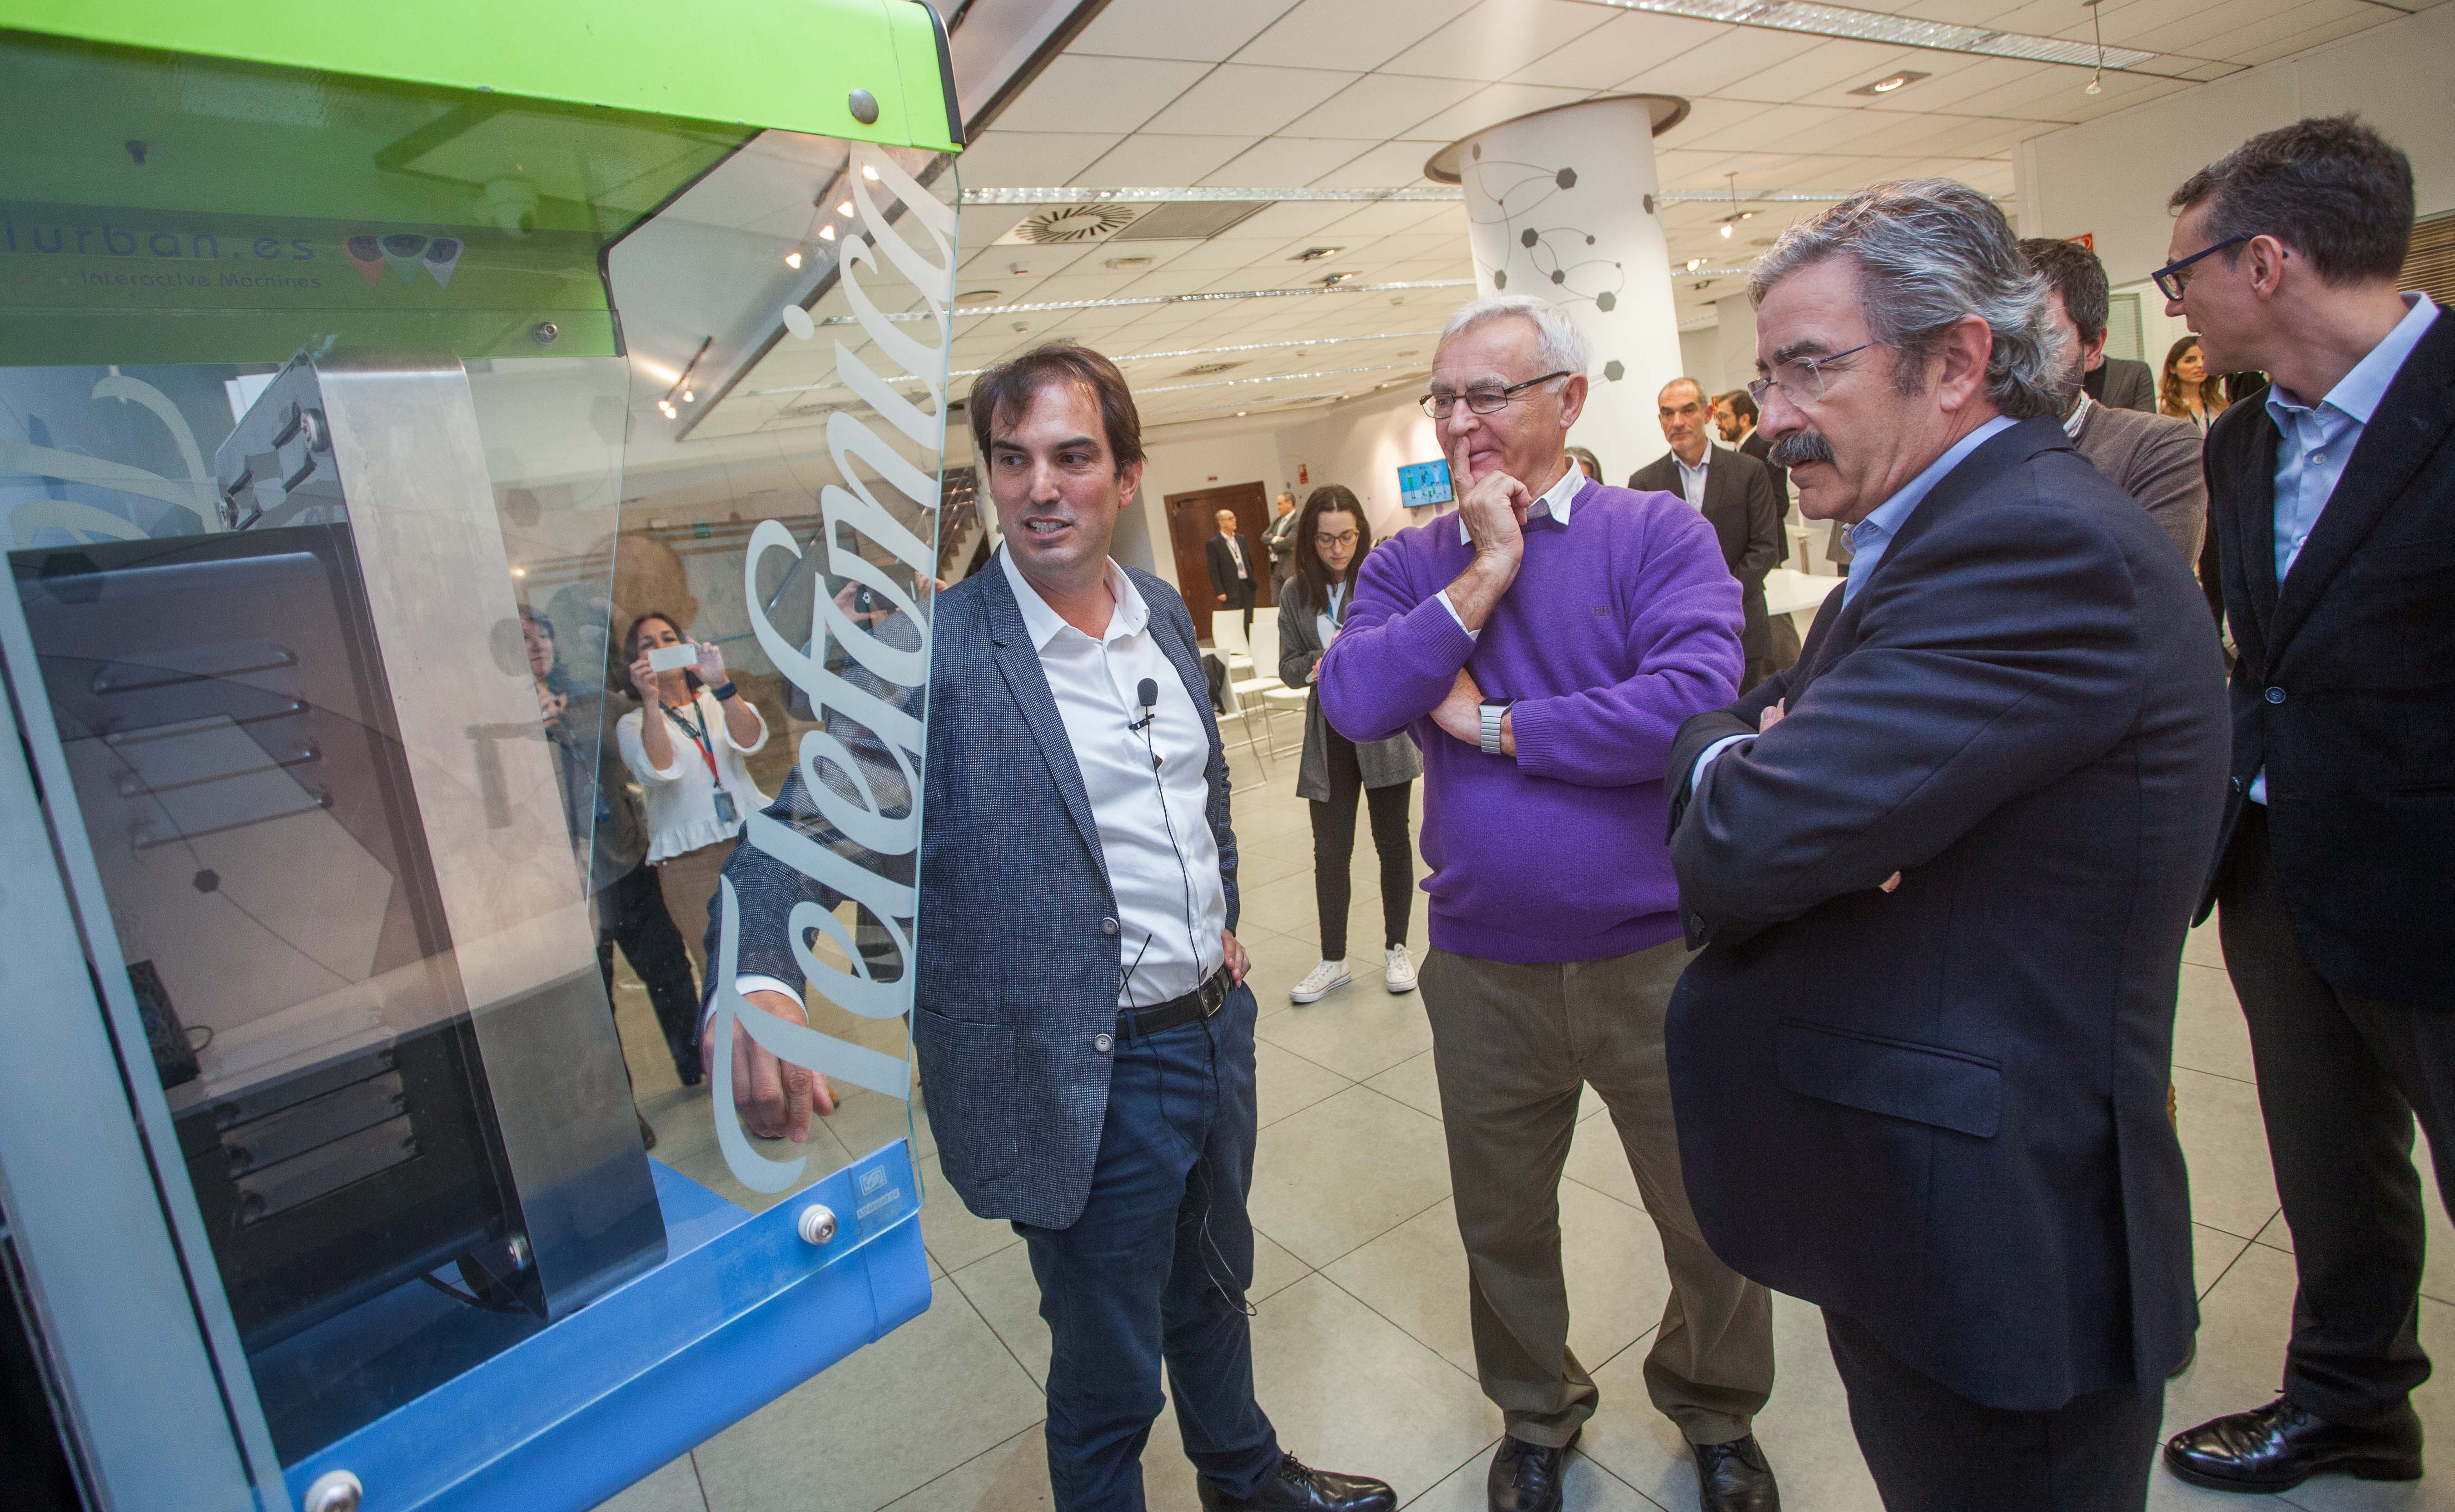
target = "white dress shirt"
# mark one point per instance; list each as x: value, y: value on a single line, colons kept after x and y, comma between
x: 1691, y: 479
x: 1557, y: 502
x: 1155, y: 838
x: 2318, y: 440
x: 1236, y: 555
x: 681, y: 794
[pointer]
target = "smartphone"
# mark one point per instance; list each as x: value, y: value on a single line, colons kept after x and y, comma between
x: 673, y: 659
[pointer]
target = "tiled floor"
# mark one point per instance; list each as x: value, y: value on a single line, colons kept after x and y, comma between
x: 1360, y: 1329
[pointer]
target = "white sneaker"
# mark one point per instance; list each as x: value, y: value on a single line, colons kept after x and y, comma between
x: 1319, y: 982
x: 1399, y: 974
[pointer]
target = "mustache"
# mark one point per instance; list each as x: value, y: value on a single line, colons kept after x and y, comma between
x: 1800, y: 446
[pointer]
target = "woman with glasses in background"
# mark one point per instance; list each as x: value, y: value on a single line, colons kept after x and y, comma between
x: 1332, y: 538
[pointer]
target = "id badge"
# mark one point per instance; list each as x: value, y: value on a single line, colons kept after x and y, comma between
x: 726, y: 812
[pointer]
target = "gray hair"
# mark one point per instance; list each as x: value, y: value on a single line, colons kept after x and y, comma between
x: 1559, y: 346
x: 1929, y: 252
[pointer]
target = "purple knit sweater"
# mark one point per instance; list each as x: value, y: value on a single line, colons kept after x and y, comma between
x: 1620, y: 625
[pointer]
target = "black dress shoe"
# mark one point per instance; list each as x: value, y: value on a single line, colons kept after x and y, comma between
x: 2279, y: 1447
x: 1298, y: 1487
x: 1526, y: 1477
x: 1733, y: 1476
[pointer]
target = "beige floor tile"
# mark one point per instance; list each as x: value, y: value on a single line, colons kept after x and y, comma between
x: 1804, y: 1428
x: 911, y: 1406
x: 1011, y: 1477
x: 1287, y: 907
x: 1344, y: 1172
x: 2213, y: 1250
x: 1274, y: 1269
x: 672, y: 1488
x: 1280, y: 961
x: 1585, y: 1487
x: 1358, y: 1031
x: 2232, y: 1186
x: 2209, y: 1032
x: 1415, y: 1276
x: 1263, y: 865
x: 1003, y: 1290
x: 1597, y: 1159
x: 2201, y: 948
x: 955, y: 1238
x: 1286, y: 1082
x: 1412, y: 1081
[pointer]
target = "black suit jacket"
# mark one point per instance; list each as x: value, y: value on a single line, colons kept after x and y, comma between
x: 1941, y: 1111
x: 1223, y: 571
x: 2344, y: 686
x: 1757, y: 446
x: 1742, y: 508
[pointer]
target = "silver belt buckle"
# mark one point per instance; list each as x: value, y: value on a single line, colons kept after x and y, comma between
x: 1214, y: 993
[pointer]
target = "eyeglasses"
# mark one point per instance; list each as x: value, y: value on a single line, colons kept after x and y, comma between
x: 1802, y: 379
x: 1325, y: 538
x: 2170, y: 281
x: 1482, y: 401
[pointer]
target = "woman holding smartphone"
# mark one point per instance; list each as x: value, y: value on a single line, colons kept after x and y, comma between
x: 1331, y: 538
x: 685, y: 743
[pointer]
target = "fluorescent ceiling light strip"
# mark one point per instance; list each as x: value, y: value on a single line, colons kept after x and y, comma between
x: 1876, y: 25
x: 1431, y: 194
x: 969, y: 310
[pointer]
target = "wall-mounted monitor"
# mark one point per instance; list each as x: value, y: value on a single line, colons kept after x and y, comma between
x: 1422, y: 484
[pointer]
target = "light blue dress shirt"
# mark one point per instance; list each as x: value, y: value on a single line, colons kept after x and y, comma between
x: 1870, y: 537
x: 2318, y: 439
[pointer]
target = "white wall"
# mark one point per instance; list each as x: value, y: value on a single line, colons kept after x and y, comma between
x: 1363, y: 446
x: 1700, y: 357
x: 2111, y: 177
x: 1173, y: 466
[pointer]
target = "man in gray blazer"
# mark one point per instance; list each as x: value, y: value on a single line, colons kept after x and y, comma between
x: 2153, y: 457
x: 2119, y: 383
x: 1080, y: 1015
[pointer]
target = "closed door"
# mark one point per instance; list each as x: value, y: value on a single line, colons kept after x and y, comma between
x: 1192, y: 519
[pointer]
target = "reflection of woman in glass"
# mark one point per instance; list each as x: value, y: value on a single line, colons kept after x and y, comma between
x: 603, y: 812
x: 685, y: 745
x: 2187, y: 391
x: 1331, y: 538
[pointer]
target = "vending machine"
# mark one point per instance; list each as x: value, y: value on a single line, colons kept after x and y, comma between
x: 367, y: 379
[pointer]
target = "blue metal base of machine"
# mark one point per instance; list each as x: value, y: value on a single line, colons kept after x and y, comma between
x: 741, y: 1312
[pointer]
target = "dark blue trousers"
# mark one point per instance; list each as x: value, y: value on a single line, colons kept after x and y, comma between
x: 1155, y: 1270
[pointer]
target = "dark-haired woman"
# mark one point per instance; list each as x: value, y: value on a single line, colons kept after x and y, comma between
x: 685, y: 743
x: 2187, y: 391
x: 1331, y: 538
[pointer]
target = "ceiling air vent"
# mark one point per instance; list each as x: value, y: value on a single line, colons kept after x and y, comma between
x: 1072, y: 224
x: 1191, y: 220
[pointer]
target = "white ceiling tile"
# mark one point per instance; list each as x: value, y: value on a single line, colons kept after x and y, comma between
x: 1705, y: 70
x: 1240, y: 99
x: 1366, y: 32
x: 1956, y: 81
x: 1961, y: 12
x: 1380, y: 106
x: 1497, y: 38
x: 1150, y: 160
x: 1391, y: 165
x: 2287, y: 47
x: 1772, y: 127
x: 1289, y: 220
x: 1287, y: 161
x: 1622, y: 45
x: 1822, y: 75
x: 1094, y: 95
x: 1204, y: 30
x: 1491, y: 105
x: 1029, y: 159
x: 1399, y: 217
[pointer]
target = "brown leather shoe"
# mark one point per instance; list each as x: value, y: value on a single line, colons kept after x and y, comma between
x: 2279, y: 1447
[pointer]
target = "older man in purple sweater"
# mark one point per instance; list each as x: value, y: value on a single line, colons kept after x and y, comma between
x: 1543, y: 647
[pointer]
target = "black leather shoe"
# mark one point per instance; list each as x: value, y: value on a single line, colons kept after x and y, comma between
x: 2279, y: 1447
x: 1297, y: 1488
x: 1733, y: 1476
x: 1526, y: 1477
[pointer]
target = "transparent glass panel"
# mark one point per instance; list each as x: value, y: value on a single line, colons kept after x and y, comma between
x: 314, y: 399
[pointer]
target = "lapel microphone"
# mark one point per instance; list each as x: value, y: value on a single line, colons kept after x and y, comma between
x: 1145, y: 693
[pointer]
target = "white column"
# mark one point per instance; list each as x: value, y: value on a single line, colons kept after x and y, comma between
x: 1560, y: 205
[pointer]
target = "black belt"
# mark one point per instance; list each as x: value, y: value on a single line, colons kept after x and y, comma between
x: 1203, y: 1001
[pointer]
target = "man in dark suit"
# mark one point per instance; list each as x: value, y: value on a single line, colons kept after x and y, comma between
x: 1086, y: 1039
x: 1735, y: 415
x: 2119, y: 383
x: 2333, y: 496
x: 1232, y: 568
x: 1735, y: 495
x: 1941, y: 871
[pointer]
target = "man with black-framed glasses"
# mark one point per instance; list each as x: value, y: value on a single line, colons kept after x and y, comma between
x: 1541, y: 645
x: 2332, y: 495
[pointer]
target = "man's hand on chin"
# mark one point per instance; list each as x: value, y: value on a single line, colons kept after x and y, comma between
x: 1461, y: 712
x: 775, y: 1099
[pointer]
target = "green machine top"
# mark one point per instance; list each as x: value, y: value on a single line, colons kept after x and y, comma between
x: 231, y: 183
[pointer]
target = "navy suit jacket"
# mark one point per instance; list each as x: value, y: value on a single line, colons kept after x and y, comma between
x: 1941, y: 1111
x: 1019, y: 949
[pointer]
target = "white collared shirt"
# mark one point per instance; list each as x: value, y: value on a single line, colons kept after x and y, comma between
x: 1162, y: 859
x: 1557, y: 502
x: 1691, y: 479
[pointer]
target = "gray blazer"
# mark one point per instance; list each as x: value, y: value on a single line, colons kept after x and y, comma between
x: 2119, y: 383
x: 1386, y: 763
x: 1019, y: 951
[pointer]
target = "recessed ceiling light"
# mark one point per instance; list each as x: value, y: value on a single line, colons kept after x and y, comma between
x: 868, y: 172
x: 844, y: 210
x: 1405, y: 352
x: 826, y: 233
x: 980, y: 296
x: 1335, y: 279
x: 1695, y: 263
x: 1889, y: 83
x: 1726, y: 229
x: 1314, y: 254
x: 1240, y: 414
x: 793, y: 258
x: 1121, y: 264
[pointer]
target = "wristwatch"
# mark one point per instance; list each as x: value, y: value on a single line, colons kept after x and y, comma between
x: 1493, y: 710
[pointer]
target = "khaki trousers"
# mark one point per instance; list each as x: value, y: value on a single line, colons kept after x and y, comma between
x: 689, y: 882
x: 1512, y: 1045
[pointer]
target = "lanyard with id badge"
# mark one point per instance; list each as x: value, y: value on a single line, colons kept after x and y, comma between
x: 726, y: 812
